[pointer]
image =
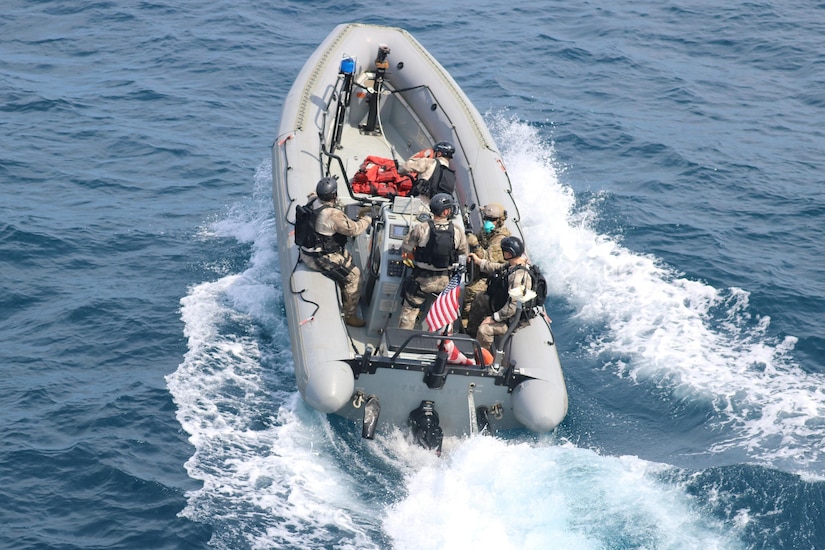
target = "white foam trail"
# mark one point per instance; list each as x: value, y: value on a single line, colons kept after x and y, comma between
x: 275, y: 475
x: 692, y: 340
x: 270, y: 477
x: 488, y: 494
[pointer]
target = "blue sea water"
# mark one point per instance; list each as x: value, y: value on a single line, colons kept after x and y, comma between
x: 669, y: 161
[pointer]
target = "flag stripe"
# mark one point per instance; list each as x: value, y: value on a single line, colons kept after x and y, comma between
x: 445, y: 308
x: 454, y: 354
x: 442, y: 313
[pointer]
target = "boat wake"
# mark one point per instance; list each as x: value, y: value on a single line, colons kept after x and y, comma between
x: 689, y: 341
x: 276, y: 473
x: 270, y: 471
x: 488, y: 493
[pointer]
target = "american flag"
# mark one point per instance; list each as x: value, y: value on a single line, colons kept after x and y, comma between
x: 441, y: 315
x: 445, y: 308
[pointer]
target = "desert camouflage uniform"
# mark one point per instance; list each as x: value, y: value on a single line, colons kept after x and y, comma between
x: 338, y: 266
x: 482, y: 308
x: 424, y: 166
x: 488, y: 247
x: 426, y: 280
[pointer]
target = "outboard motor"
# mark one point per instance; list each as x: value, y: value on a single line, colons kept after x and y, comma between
x: 424, y: 423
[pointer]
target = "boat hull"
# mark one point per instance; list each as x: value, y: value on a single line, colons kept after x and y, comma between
x: 338, y: 368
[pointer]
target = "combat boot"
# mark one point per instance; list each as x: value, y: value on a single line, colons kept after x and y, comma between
x: 354, y: 321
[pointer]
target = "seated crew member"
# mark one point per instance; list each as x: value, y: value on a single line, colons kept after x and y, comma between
x: 486, y: 244
x: 333, y: 228
x: 431, y: 247
x: 434, y: 174
x: 493, y: 310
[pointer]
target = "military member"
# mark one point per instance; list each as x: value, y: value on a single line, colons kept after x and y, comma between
x: 433, y: 172
x: 486, y: 244
x: 431, y: 248
x: 329, y: 255
x: 493, y: 310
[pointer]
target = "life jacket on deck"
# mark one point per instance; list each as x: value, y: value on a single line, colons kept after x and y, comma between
x: 379, y: 176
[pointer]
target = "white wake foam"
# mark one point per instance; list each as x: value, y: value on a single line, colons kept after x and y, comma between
x: 275, y: 474
x: 270, y: 476
x: 489, y: 494
x: 664, y: 329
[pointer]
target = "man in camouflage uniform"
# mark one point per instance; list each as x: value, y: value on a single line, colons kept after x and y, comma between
x: 429, y: 165
x: 493, y: 310
x: 431, y: 256
x: 331, y: 257
x: 486, y: 244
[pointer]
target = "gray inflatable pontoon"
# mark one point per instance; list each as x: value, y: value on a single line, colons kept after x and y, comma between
x: 375, y: 91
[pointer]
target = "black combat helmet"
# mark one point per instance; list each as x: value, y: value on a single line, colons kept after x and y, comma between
x: 513, y: 245
x: 441, y: 202
x: 445, y: 148
x: 327, y: 189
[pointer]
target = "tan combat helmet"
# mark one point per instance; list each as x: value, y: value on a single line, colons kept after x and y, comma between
x: 493, y: 211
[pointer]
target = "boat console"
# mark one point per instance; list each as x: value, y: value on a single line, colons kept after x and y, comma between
x: 380, y: 254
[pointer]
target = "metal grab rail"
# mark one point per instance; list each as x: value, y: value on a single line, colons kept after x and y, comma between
x: 436, y: 336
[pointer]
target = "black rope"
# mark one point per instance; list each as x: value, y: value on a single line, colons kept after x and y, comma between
x: 300, y: 293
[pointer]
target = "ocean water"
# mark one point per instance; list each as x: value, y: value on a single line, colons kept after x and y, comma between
x: 669, y: 161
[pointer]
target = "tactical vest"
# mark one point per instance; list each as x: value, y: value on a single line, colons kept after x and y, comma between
x: 486, y: 240
x: 498, y: 289
x: 441, y: 181
x: 440, y: 248
x: 328, y: 244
